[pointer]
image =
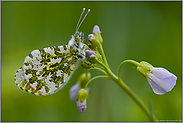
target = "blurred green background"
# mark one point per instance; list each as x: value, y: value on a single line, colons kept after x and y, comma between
x: 149, y: 31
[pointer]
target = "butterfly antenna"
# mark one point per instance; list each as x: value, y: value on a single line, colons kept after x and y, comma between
x: 82, y: 20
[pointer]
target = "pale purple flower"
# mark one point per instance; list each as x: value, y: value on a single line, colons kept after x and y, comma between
x: 81, y: 105
x: 161, y: 80
x: 96, y: 29
x: 89, y: 54
x: 90, y: 37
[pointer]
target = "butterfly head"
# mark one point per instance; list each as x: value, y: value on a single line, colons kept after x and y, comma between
x: 79, y: 37
x: 76, y: 41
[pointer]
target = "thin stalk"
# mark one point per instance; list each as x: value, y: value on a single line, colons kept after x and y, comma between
x: 96, y: 77
x: 103, y: 56
x: 98, y: 70
x: 136, y: 99
x: 127, y: 90
x: 130, y: 61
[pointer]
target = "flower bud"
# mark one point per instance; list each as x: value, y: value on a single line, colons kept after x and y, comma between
x: 96, y: 29
x: 83, y: 79
x: 95, y: 39
x: 90, y: 54
x: 93, y: 42
x: 90, y: 37
x: 86, y: 64
x: 82, y: 100
x: 82, y: 95
x: 81, y: 106
x: 97, y: 33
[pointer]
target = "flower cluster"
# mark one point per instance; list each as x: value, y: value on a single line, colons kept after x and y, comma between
x: 160, y: 79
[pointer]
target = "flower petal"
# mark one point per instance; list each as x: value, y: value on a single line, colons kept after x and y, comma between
x: 156, y: 88
x: 74, y: 91
x: 88, y: 89
x: 90, y: 37
x: 96, y: 29
x: 159, y: 86
x: 81, y: 106
x: 171, y: 81
x: 161, y: 73
x: 89, y: 54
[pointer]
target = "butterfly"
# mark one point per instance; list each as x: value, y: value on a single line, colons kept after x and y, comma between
x: 47, y: 70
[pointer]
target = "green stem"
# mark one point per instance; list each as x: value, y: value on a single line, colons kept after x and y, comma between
x: 132, y: 95
x: 98, y: 70
x: 130, y: 61
x: 97, y: 66
x: 96, y: 77
x: 103, y: 55
x: 126, y: 89
x: 136, y: 99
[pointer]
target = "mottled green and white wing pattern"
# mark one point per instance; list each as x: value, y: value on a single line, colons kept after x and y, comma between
x: 47, y: 70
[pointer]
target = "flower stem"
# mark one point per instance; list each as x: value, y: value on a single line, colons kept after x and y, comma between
x: 98, y: 70
x: 130, y: 61
x: 125, y: 87
x: 96, y: 77
x: 103, y: 55
x: 136, y: 99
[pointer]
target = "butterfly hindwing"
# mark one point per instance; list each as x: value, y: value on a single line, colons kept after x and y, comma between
x: 47, y: 70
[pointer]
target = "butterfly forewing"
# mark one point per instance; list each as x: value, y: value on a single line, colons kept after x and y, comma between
x: 47, y: 70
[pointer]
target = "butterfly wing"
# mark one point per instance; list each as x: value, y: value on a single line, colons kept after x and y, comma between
x: 47, y: 70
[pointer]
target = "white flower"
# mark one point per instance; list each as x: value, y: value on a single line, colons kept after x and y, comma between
x: 161, y: 80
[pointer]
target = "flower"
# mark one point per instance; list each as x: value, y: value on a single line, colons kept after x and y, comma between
x: 160, y: 79
x: 82, y: 100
